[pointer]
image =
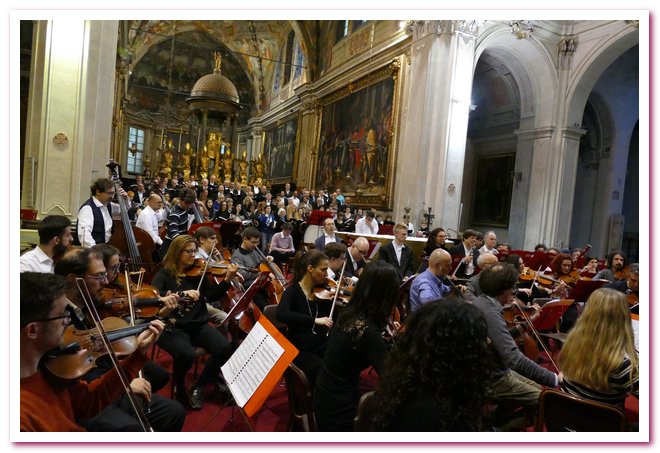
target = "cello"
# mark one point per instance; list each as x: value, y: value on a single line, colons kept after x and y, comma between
x: 132, y: 242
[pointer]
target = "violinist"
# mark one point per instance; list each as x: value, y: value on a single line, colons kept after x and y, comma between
x: 95, y: 215
x: 49, y: 404
x: 336, y: 253
x: 437, y: 238
x: 164, y: 414
x: 54, y: 239
x: 473, y: 290
x: 590, y: 267
x: 526, y: 290
x: 207, y: 239
x: 516, y: 378
x: 191, y: 327
x: 615, y: 264
x: 562, y: 270
x: 299, y: 310
x: 356, y: 342
x: 246, y: 256
x: 431, y: 284
x: 630, y: 285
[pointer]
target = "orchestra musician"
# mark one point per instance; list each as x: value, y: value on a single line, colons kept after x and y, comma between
x: 437, y: 238
x: 398, y: 254
x: 630, y: 285
x: 516, y: 378
x: 599, y: 360
x: 430, y: 284
x: 526, y: 290
x: 149, y: 218
x: 356, y: 342
x: 246, y: 256
x: 191, y: 327
x: 180, y: 218
x: 328, y: 234
x: 299, y: 310
x: 94, y: 224
x: 336, y: 253
x: 468, y: 250
x: 164, y: 414
x: 472, y: 288
x: 54, y: 239
x: 416, y: 391
x: 615, y: 264
x: 355, y: 258
x: 49, y: 404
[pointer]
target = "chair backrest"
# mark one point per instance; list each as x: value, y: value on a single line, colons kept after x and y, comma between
x: 270, y: 312
x: 559, y: 411
x: 300, y: 399
x: 363, y: 421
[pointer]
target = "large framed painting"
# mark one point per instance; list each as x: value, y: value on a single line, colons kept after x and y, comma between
x: 493, y: 186
x: 356, y: 139
x: 280, y: 149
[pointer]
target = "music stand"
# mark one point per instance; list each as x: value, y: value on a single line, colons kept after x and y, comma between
x: 243, y: 303
x: 536, y: 259
x: 583, y: 289
x: 551, y: 313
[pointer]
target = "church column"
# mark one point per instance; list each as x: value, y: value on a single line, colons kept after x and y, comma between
x: 308, y: 130
x: 69, y: 125
x: 255, y: 144
x: 435, y: 119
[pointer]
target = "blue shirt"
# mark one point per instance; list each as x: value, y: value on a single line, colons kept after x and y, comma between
x: 425, y: 288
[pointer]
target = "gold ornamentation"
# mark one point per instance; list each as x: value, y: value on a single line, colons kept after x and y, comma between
x: 60, y: 140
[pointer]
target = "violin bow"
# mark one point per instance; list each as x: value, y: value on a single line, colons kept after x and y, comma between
x: 208, y: 261
x: 131, y: 311
x: 121, y: 373
x: 334, y: 301
x: 535, y: 333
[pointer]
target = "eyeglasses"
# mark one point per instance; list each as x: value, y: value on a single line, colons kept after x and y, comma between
x: 190, y: 251
x: 114, y: 268
x: 98, y: 277
x: 362, y: 252
x: 66, y: 316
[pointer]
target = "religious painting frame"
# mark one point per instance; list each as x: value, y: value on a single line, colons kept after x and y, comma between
x: 356, y: 148
x: 280, y: 149
x: 493, y: 187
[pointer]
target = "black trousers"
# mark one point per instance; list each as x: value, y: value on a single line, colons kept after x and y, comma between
x: 180, y: 344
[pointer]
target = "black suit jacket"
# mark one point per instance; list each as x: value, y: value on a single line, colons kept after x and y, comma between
x: 350, y: 269
x: 319, y: 243
x: 459, y: 250
x: 388, y: 254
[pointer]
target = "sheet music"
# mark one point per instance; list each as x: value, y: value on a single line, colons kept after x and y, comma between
x: 249, y: 365
x: 635, y: 326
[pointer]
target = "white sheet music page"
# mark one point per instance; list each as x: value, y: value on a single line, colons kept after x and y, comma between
x: 250, y: 364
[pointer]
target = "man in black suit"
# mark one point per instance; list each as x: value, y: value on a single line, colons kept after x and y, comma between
x: 397, y: 253
x: 355, y: 258
x: 469, y: 251
x: 328, y: 234
x: 140, y: 195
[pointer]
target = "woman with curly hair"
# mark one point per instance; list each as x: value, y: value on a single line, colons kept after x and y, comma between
x: 599, y: 360
x: 356, y: 342
x: 438, y: 377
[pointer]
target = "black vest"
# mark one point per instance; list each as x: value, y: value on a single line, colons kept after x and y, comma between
x: 98, y: 231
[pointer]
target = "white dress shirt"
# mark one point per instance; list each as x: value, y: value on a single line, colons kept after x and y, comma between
x: 37, y: 261
x: 397, y: 250
x: 86, y: 222
x: 362, y: 227
x: 148, y: 221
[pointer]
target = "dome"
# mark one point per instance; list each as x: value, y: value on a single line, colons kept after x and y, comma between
x: 214, y: 87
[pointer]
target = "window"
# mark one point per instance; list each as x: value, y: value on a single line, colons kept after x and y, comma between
x: 341, y: 31
x: 135, y: 150
x: 357, y: 24
x: 288, y: 58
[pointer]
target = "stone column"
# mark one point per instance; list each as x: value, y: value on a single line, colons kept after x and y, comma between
x: 69, y: 123
x: 308, y: 146
x: 435, y: 119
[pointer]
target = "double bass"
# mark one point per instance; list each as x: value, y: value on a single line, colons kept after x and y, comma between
x: 133, y: 242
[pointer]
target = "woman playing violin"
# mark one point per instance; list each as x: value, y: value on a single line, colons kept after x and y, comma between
x: 299, y: 310
x: 356, y: 342
x: 599, y: 360
x: 527, y: 290
x: 191, y: 328
x: 562, y: 270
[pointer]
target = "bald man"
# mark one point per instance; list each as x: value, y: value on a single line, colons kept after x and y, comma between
x: 355, y: 258
x: 429, y: 285
x: 484, y: 261
x: 148, y: 218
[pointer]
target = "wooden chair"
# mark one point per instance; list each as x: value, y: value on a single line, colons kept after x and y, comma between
x: 270, y: 312
x: 300, y: 400
x: 363, y: 421
x: 559, y: 411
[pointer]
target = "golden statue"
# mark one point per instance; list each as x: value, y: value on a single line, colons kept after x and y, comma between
x: 227, y: 163
x: 187, y: 154
x: 242, y: 164
x: 165, y: 167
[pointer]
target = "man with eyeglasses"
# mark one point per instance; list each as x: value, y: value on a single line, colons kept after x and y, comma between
x: 49, y: 404
x: 164, y: 414
x: 355, y: 258
x: 95, y: 215
x: 180, y: 218
x: 246, y: 256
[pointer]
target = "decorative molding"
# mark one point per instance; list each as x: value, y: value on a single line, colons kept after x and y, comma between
x: 60, y: 140
x: 533, y: 134
x: 566, y: 49
x: 423, y: 28
x: 633, y: 23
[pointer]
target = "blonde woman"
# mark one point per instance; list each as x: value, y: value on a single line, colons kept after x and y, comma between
x: 599, y: 360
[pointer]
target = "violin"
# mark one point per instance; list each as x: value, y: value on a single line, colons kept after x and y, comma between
x: 529, y: 275
x: 83, y: 347
x: 146, y: 302
x: 633, y: 297
x: 571, y: 278
x: 275, y: 285
x: 514, y: 315
x: 218, y: 269
x: 327, y: 291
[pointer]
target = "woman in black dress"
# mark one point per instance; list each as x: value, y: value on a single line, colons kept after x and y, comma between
x: 191, y: 321
x: 299, y: 310
x: 356, y: 342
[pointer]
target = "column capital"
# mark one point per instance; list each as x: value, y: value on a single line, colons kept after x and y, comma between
x: 422, y: 28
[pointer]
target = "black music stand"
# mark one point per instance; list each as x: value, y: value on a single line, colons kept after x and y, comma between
x: 243, y: 303
x: 583, y: 289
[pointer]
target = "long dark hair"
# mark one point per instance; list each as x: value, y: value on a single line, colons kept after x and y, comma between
x: 375, y: 294
x: 443, y: 354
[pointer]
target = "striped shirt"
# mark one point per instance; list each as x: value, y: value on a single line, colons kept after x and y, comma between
x: 619, y: 383
x: 177, y: 222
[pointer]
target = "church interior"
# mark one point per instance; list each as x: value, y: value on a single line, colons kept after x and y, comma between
x: 527, y: 129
